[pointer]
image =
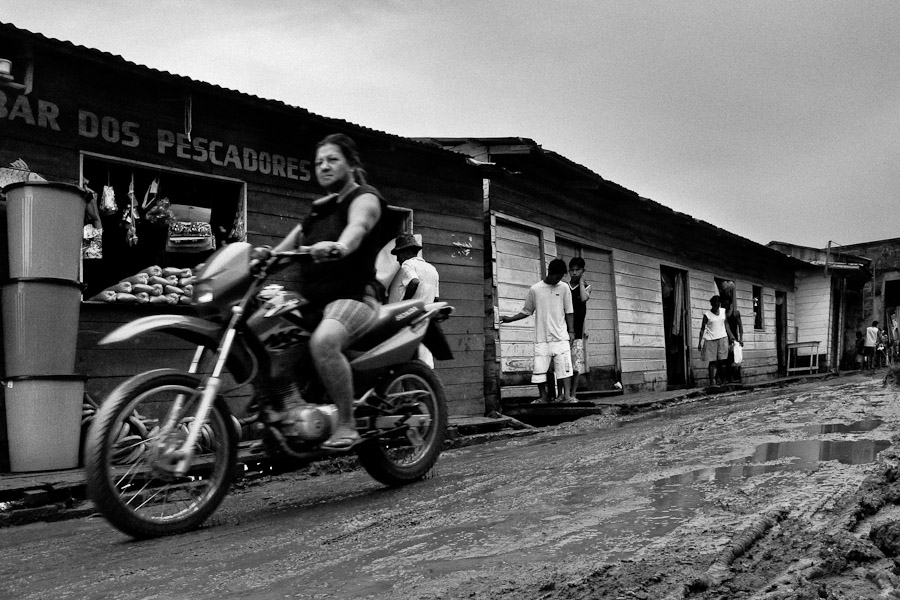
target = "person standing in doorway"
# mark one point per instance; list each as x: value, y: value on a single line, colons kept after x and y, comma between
x: 550, y: 301
x: 715, y: 338
x: 872, y: 337
x: 581, y: 293
x: 416, y: 280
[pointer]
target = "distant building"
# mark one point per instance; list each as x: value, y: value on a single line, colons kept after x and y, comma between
x: 830, y: 302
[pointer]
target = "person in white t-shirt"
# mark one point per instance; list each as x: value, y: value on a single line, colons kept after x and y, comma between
x: 715, y: 339
x: 416, y: 280
x: 550, y: 301
x: 873, y: 335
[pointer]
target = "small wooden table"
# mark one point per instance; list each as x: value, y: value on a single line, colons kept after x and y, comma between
x: 792, y: 349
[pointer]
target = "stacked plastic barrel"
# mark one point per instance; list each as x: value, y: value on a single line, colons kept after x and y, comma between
x: 41, y: 303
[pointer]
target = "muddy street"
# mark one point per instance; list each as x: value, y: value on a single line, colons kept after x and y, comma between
x: 620, y: 507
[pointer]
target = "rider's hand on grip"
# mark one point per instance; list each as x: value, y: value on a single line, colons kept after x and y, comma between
x: 259, y: 256
x: 322, y: 251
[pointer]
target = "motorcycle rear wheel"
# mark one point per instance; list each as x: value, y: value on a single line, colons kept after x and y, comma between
x: 127, y: 477
x: 399, y: 460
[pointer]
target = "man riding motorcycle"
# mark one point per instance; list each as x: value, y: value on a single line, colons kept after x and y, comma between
x: 344, y: 231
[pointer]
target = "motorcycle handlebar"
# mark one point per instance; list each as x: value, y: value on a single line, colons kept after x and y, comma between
x: 303, y: 251
x: 299, y: 251
x: 263, y: 258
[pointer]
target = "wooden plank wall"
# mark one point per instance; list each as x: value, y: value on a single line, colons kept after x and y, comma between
x: 814, y: 310
x: 639, y: 306
x: 760, y: 355
x: 637, y: 309
x: 600, y: 318
x: 455, y: 246
x: 600, y: 321
x: 518, y: 267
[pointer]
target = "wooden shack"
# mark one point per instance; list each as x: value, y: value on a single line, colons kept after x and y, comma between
x: 653, y: 271
x: 842, y: 291
x: 881, y: 292
x: 238, y: 162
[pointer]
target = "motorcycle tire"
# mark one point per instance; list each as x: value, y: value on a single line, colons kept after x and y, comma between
x: 127, y: 478
x: 398, y: 461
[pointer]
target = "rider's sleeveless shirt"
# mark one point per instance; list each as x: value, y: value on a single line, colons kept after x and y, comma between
x: 347, y: 277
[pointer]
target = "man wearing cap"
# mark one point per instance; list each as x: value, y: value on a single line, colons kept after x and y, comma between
x: 416, y: 280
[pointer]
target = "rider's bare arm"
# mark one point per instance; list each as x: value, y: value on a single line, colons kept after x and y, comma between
x: 362, y: 216
x: 291, y: 241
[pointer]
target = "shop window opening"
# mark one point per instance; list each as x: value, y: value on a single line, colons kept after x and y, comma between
x: 154, y: 216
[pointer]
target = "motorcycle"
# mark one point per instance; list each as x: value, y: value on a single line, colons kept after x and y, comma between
x: 161, y: 451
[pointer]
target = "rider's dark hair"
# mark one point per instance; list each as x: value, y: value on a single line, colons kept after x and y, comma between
x: 348, y: 148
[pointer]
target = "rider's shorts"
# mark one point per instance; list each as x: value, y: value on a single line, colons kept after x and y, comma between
x: 354, y: 315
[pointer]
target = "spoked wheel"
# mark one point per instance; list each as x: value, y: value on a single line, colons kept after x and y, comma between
x: 415, y: 390
x: 132, y: 449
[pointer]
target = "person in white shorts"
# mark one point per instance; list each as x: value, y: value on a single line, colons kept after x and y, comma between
x: 550, y: 301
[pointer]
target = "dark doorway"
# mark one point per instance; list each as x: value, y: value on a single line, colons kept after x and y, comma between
x: 837, y: 327
x: 676, y: 322
x: 781, y: 331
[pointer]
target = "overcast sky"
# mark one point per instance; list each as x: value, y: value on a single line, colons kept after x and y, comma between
x: 773, y: 120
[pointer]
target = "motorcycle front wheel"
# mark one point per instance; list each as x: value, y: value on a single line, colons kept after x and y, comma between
x: 413, y: 389
x: 130, y: 453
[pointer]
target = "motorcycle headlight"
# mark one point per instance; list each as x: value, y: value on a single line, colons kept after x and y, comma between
x: 203, y: 295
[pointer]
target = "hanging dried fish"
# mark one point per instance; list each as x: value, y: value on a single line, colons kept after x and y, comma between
x: 130, y: 216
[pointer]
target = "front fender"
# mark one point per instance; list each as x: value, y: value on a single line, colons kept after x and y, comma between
x: 241, y: 362
x: 192, y: 329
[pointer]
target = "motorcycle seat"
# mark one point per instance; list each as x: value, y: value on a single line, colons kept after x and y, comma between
x: 388, y: 320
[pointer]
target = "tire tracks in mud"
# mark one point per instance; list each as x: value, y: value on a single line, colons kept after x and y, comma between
x: 811, y: 544
x: 801, y: 554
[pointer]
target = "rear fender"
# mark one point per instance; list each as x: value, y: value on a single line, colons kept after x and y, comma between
x: 402, y: 346
x: 434, y: 339
x: 399, y: 348
x: 241, y: 363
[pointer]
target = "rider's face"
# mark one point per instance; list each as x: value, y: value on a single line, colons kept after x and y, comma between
x: 332, y: 169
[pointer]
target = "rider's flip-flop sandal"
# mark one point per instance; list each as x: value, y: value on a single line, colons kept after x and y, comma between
x: 343, y: 442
